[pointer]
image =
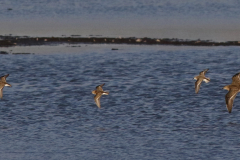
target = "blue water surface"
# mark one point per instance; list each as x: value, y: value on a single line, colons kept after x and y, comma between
x: 152, y: 111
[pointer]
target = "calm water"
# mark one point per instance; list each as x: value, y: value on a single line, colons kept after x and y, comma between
x: 151, y: 112
x: 216, y: 20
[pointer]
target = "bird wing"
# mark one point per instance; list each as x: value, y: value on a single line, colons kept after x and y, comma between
x: 99, y: 88
x: 97, y: 99
x: 3, y: 78
x: 1, y: 89
x: 1, y: 93
x: 236, y: 79
x: 203, y: 72
x: 198, y: 84
x: 230, y: 96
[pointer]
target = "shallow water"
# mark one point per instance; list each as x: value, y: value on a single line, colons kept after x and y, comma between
x: 151, y: 112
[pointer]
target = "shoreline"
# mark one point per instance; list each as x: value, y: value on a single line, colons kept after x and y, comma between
x: 10, y: 41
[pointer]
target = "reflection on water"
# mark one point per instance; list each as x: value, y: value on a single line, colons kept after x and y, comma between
x: 151, y: 112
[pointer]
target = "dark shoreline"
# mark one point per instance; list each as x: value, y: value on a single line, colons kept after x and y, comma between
x: 8, y: 41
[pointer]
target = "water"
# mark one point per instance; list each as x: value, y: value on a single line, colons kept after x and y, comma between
x: 216, y: 20
x: 151, y: 112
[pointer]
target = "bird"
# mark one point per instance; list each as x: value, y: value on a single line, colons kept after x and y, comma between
x: 98, y: 93
x: 233, y: 90
x: 201, y: 77
x: 3, y: 83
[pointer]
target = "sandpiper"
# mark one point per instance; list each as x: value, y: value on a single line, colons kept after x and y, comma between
x: 201, y: 77
x: 3, y: 83
x: 99, y: 92
x: 233, y: 89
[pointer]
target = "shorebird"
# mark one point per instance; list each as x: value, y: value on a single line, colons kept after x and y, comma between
x: 3, y: 83
x: 98, y: 93
x: 233, y: 89
x: 201, y: 77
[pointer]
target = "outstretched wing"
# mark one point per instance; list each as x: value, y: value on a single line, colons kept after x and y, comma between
x: 1, y: 89
x: 3, y: 78
x: 236, y: 79
x: 97, y: 99
x: 198, y: 84
x: 230, y: 96
x: 1, y: 93
x: 203, y: 72
x: 99, y: 88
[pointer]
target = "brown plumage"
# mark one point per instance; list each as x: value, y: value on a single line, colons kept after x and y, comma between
x: 3, y: 83
x: 201, y: 77
x: 233, y: 90
x: 98, y: 93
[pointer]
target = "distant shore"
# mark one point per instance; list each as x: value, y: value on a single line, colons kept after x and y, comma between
x: 8, y: 41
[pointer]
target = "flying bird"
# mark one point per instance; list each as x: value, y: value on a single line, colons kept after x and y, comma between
x: 3, y: 83
x: 201, y: 77
x: 233, y: 90
x: 98, y: 93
